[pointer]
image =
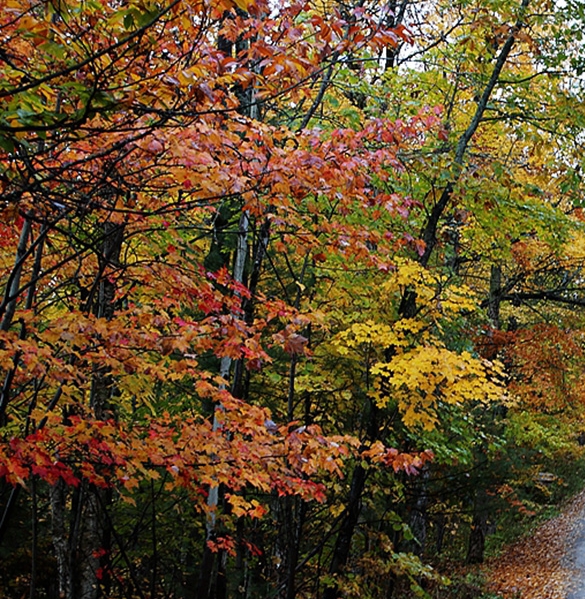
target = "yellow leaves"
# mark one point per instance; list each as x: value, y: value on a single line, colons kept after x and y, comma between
x: 574, y: 250
x: 432, y: 288
x: 242, y: 507
x: 336, y: 509
x: 241, y: 4
x: 407, y: 273
x: 407, y: 360
x: 423, y: 378
x: 459, y: 299
x: 369, y: 332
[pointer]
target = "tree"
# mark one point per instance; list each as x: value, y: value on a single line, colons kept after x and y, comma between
x: 115, y: 184
x: 250, y: 282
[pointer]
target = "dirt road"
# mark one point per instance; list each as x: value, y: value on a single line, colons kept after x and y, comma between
x: 549, y: 563
x: 576, y: 561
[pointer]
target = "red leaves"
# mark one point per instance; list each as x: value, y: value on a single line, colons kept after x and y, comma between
x: 21, y: 458
x: 411, y: 463
x: 223, y: 543
x: 10, y: 224
x: 243, y: 452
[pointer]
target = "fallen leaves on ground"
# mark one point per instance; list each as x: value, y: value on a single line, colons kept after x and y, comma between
x: 540, y: 566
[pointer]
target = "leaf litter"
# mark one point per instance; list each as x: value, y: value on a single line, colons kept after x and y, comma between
x: 542, y: 564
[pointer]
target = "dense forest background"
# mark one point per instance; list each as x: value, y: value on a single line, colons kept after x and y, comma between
x: 292, y: 293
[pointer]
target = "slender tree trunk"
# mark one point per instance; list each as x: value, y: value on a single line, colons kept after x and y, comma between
x: 418, y: 518
x: 494, y: 298
x: 429, y: 232
x: 35, y: 538
x: 61, y: 540
x: 341, y: 550
x: 10, y: 300
x: 213, y: 565
x: 95, y: 538
x: 91, y: 544
x: 12, y: 289
x: 477, y: 535
x: 347, y: 528
x: 294, y: 511
x: 478, y: 532
x: 82, y: 548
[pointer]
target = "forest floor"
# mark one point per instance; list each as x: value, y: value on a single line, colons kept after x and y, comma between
x: 549, y: 563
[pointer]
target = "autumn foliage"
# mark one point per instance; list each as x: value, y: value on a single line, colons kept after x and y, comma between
x: 279, y: 306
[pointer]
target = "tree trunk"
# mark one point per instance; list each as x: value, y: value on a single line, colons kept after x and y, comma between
x: 82, y: 550
x: 212, y: 568
x: 476, y: 547
x: 342, y: 547
x: 61, y: 540
x: 418, y: 514
x: 91, y: 544
x: 479, y: 527
x: 441, y: 525
x: 494, y: 298
x: 346, y: 531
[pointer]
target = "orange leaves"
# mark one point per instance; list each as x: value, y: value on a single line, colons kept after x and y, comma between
x: 411, y: 463
x: 530, y: 254
x: 539, y: 565
x: 81, y: 42
x: 241, y: 507
x: 247, y: 451
x: 547, y: 363
x: 145, y: 125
